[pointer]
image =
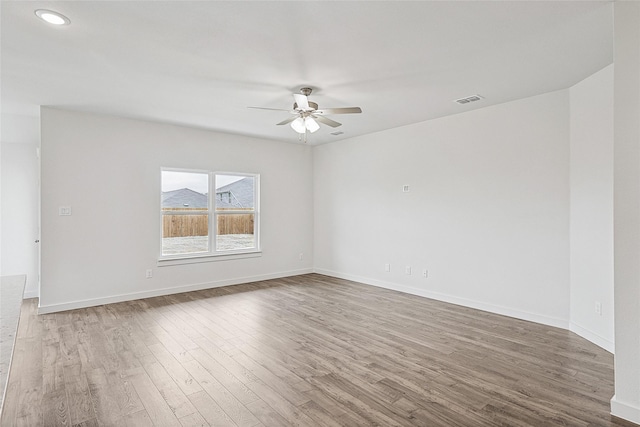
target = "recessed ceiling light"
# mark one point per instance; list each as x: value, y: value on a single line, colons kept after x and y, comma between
x: 52, y: 17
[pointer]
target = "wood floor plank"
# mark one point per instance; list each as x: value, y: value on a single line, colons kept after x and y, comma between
x: 308, y: 351
x: 125, y: 394
x: 292, y: 414
x: 319, y: 414
x: 170, y: 344
x: 173, y: 395
x: 77, y: 388
x: 103, y: 396
x: 199, y: 318
x: 193, y: 420
x: 52, y: 367
x: 282, y: 388
x: 138, y: 419
x: 167, y: 321
x: 210, y: 411
x: 338, y: 411
x: 237, y: 385
x: 55, y: 408
x: 266, y: 414
x: 223, y: 397
x: 155, y: 405
x: 376, y: 412
x: 180, y: 375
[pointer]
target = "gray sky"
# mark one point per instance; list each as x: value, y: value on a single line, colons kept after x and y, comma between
x: 172, y: 180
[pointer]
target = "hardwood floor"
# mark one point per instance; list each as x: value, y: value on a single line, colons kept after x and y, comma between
x: 305, y: 351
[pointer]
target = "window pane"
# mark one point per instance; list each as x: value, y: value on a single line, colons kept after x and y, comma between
x: 187, y: 193
x: 235, y: 231
x: 185, y: 234
x: 235, y: 192
x: 185, y: 190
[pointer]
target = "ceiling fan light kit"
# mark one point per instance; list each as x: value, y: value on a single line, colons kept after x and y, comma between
x: 306, y: 114
x: 311, y: 125
x: 301, y: 125
x: 298, y: 125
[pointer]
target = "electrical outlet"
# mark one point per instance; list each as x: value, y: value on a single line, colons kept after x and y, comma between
x: 598, y: 308
x: 387, y: 267
x: 64, y: 210
x: 425, y: 273
x: 407, y: 270
x: 149, y: 274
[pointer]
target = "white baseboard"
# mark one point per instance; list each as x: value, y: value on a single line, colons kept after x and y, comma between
x: 625, y: 411
x: 479, y: 305
x: 52, y: 308
x: 594, y: 338
x: 31, y: 294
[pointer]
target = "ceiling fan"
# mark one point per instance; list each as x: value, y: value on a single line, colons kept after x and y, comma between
x: 306, y: 115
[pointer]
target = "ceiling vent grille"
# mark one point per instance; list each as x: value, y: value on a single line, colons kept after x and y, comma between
x: 468, y: 99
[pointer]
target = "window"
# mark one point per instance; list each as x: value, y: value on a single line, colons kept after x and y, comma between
x: 198, y: 222
x: 235, y: 212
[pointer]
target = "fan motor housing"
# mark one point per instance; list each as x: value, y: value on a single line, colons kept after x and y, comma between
x: 312, y: 105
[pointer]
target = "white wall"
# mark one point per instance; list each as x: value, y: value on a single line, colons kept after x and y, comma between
x: 591, y: 216
x: 108, y: 170
x: 20, y: 214
x: 20, y: 137
x: 626, y: 402
x: 487, y: 212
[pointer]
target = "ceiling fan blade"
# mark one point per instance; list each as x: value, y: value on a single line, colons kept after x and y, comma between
x: 344, y: 110
x: 272, y: 109
x: 327, y: 121
x: 302, y: 101
x: 289, y: 120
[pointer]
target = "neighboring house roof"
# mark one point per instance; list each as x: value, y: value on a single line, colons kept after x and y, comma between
x: 184, y: 198
x: 238, y: 194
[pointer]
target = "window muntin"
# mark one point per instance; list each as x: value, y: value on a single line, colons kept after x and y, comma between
x: 195, y: 224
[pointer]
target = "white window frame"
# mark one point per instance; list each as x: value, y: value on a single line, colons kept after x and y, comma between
x: 213, y: 254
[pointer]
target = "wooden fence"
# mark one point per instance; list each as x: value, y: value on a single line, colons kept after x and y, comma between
x: 235, y: 224
x: 196, y: 225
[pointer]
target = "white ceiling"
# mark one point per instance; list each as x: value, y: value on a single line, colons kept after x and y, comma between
x: 202, y: 63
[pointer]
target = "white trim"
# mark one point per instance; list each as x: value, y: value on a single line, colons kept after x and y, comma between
x: 592, y: 337
x: 206, y: 257
x: 505, y: 311
x: 625, y: 410
x: 187, y: 170
x: 11, y: 281
x: 34, y: 293
x: 52, y: 308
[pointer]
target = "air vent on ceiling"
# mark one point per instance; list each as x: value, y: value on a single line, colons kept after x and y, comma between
x: 468, y: 99
x: 337, y: 133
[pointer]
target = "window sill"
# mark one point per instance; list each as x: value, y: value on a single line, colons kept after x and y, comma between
x: 195, y: 259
